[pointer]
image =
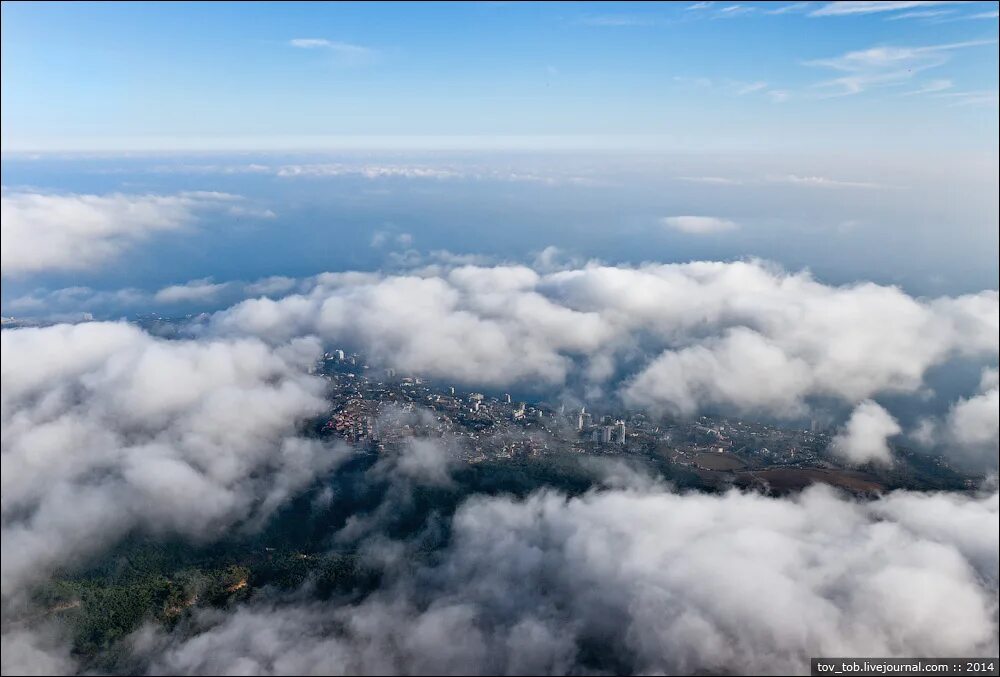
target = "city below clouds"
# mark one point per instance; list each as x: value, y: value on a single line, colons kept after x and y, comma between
x: 745, y: 338
x: 498, y: 338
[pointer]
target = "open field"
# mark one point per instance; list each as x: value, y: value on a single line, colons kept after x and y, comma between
x: 793, y: 479
x: 713, y: 460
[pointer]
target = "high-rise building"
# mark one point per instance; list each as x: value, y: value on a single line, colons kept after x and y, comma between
x: 606, y: 434
x: 619, y: 432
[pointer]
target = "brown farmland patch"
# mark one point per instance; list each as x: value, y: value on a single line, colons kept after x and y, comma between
x: 713, y: 460
x: 794, y: 479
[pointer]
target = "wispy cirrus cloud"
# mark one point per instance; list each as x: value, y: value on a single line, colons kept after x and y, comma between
x: 975, y: 16
x: 885, y: 65
x: 859, y: 71
x: 877, y: 6
x: 345, y: 53
x: 895, y: 57
x: 921, y: 14
x: 981, y: 97
x: 735, y: 87
x: 731, y: 11
x: 788, y: 9
x: 930, y: 87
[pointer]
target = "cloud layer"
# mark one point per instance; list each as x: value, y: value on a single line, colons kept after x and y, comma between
x: 641, y: 581
x: 106, y: 428
x: 43, y: 231
x: 971, y: 427
x: 743, y: 336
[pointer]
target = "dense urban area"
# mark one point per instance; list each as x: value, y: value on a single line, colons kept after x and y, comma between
x: 376, y: 410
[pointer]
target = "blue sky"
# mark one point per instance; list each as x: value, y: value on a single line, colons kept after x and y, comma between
x: 772, y: 76
x: 856, y: 140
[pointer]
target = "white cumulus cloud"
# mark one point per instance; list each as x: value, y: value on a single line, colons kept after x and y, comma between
x: 699, y: 225
x: 44, y: 231
x: 106, y: 428
x: 642, y: 581
x: 864, y: 438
